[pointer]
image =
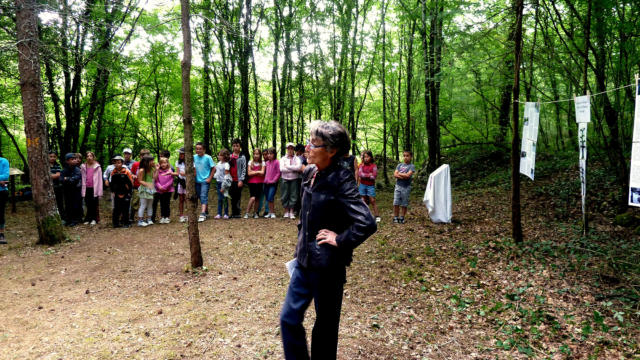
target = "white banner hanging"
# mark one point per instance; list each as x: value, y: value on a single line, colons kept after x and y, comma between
x: 583, y: 109
x: 634, y: 177
x: 529, y: 139
x: 582, y: 143
x: 583, y: 118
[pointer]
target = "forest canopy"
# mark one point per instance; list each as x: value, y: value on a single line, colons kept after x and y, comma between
x: 432, y: 76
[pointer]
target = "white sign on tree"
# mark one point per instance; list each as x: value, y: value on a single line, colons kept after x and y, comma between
x: 583, y: 117
x: 529, y: 139
x: 634, y: 177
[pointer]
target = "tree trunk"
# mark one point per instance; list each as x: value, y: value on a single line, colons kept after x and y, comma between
x: 506, y: 91
x: 615, y: 152
x: 56, y: 104
x: 47, y: 218
x: 256, y: 99
x: 206, y: 53
x: 435, y: 59
x: 192, y: 203
x: 409, y: 93
x: 384, y: 95
x: 516, y: 219
x: 426, y: 51
x: 245, y: 52
x: 301, y: 96
x: 274, y: 82
x: 285, y: 79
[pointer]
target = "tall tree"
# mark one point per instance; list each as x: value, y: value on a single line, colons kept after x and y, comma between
x: 409, y: 95
x: 276, y: 29
x: 436, y: 40
x: 244, y: 50
x: 384, y: 93
x: 47, y: 218
x: 516, y: 218
x: 194, y: 233
x: 206, y: 54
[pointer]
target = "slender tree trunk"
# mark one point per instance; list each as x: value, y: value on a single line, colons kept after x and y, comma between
x: 206, y: 54
x: 245, y: 52
x: 47, y: 218
x: 516, y: 219
x: 615, y: 152
x: 384, y: 95
x: 192, y: 203
x: 409, y: 91
x: 426, y: 50
x: 256, y: 99
x: 274, y: 85
x: 506, y: 91
x: 56, y: 103
x: 395, y: 127
x: 300, y: 129
x: 435, y: 60
x: 285, y: 80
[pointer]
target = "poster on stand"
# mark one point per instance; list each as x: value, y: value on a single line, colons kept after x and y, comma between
x: 529, y: 139
x: 634, y: 177
x: 583, y: 118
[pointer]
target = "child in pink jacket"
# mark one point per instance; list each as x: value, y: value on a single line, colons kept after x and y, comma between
x: 91, y: 188
x: 163, y: 183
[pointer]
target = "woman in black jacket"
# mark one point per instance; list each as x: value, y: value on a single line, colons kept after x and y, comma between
x: 333, y: 221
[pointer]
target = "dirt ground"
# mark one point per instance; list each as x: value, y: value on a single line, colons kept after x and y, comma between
x: 414, y: 291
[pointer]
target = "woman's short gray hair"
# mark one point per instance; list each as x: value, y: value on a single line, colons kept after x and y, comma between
x: 332, y: 134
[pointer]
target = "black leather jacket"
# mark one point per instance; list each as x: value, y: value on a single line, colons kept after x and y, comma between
x: 332, y: 203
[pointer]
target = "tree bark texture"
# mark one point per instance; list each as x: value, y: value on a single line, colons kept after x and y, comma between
x: 48, y: 220
x: 516, y: 218
x: 384, y: 96
x: 435, y: 59
x: 192, y: 200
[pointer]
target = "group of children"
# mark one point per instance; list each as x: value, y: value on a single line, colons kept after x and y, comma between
x: 366, y: 179
x: 144, y: 184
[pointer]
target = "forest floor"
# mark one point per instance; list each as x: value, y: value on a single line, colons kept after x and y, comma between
x: 414, y: 291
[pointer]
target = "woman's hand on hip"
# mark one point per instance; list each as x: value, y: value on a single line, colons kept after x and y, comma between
x: 327, y: 237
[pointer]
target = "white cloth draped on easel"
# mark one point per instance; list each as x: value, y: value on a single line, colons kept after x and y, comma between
x: 437, y: 197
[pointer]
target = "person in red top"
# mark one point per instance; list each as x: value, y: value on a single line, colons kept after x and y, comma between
x: 255, y: 170
x: 367, y: 173
x: 135, y: 199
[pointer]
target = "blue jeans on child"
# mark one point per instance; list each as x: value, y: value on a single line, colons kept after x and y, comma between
x: 270, y: 195
x: 222, y: 200
x: 202, y: 189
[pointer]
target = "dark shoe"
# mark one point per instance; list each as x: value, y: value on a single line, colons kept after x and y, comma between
x: 2, y: 240
x: 126, y: 226
x: 395, y: 220
x: 401, y: 220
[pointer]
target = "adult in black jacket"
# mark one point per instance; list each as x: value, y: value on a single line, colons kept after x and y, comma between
x: 333, y: 221
x: 71, y: 179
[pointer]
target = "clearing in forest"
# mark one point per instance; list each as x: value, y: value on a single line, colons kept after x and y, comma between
x: 414, y: 291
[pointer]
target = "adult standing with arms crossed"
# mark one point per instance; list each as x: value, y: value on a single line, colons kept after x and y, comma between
x: 328, y: 232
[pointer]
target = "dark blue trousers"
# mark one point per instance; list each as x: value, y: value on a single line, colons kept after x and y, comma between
x: 324, y: 287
